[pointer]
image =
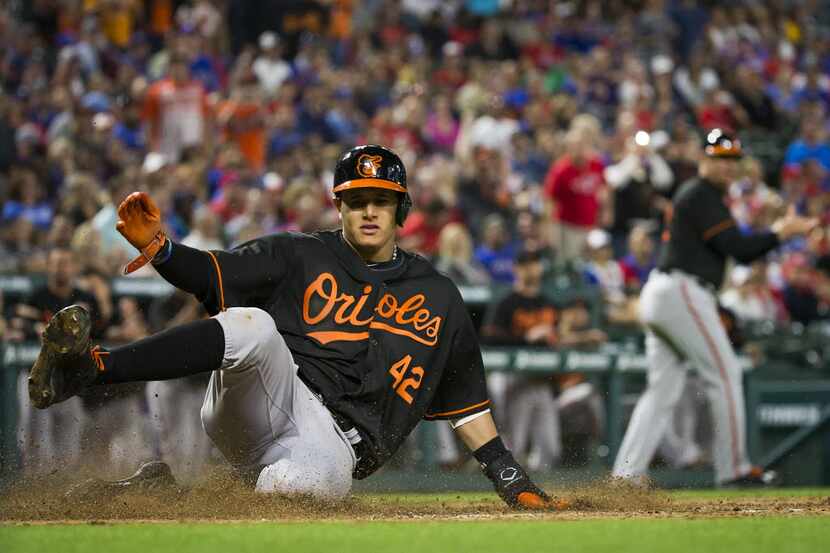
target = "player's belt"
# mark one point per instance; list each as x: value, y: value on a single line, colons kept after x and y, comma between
x: 700, y: 281
x: 365, y: 463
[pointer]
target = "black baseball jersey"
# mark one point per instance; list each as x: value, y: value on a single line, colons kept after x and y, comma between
x: 702, y: 234
x: 507, y: 322
x: 383, y: 348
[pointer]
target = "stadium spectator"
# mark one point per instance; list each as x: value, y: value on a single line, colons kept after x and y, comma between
x: 530, y: 235
x: 683, y: 149
x: 59, y: 291
x: 640, y: 260
x: 749, y: 295
x: 482, y: 189
x: 692, y: 81
x: 94, y: 270
x: 176, y: 111
x: 442, y: 127
x: 496, y: 252
x: 423, y: 226
x: 750, y: 93
x: 718, y: 110
x: 207, y: 231
x: 574, y: 187
x: 604, y: 272
x: 257, y: 219
x: 454, y: 256
x: 242, y: 117
x: 269, y: 67
x: 27, y: 200
x: 129, y: 323
x: 799, y: 292
x: 812, y: 87
x: 20, y: 246
x: 637, y: 182
x: 811, y: 144
x: 749, y: 195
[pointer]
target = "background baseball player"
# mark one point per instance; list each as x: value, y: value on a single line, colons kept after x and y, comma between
x: 326, y: 349
x: 678, y: 307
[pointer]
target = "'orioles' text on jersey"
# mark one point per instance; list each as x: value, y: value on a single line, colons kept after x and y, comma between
x: 383, y: 348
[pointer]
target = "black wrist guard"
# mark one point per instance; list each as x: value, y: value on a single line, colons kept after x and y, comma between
x: 513, y: 484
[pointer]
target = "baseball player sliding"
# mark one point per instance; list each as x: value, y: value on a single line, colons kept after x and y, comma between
x: 325, y: 349
x: 679, y: 309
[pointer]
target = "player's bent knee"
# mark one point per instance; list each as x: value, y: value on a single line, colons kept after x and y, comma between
x: 250, y: 333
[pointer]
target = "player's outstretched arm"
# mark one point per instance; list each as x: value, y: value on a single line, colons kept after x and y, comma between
x: 139, y: 221
x: 509, y: 478
x: 746, y: 248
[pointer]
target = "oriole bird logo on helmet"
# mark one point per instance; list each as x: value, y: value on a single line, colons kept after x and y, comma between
x: 368, y: 165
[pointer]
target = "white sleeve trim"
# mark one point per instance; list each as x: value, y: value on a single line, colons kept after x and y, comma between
x: 469, y: 418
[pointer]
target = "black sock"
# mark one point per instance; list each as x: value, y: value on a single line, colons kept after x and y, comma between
x: 490, y: 451
x: 173, y: 353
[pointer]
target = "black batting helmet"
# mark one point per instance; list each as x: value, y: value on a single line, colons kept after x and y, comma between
x: 373, y: 166
x: 721, y: 144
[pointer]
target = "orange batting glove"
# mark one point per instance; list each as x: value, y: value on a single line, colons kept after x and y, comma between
x: 139, y: 221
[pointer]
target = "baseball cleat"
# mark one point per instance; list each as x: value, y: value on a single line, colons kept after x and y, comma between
x: 65, y: 365
x: 756, y: 477
x: 150, y: 476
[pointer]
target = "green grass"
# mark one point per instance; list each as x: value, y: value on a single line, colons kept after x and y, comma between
x: 764, y: 492
x: 733, y: 535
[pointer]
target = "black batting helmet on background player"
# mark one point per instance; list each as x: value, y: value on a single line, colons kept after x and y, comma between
x: 373, y: 166
x: 722, y: 144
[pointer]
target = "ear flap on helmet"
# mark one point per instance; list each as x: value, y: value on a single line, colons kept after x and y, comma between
x: 404, y: 205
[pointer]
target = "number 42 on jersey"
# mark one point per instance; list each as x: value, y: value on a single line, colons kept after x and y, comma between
x: 402, y: 383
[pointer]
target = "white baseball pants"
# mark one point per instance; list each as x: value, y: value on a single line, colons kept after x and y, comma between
x: 683, y: 312
x: 258, y: 412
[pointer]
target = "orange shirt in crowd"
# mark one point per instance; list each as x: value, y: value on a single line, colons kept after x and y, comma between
x: 340, y: 25
x: 161, y: 16
x: 244, y: 124
x: 118, y: 21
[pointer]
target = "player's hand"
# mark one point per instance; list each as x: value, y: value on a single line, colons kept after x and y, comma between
x: 515, y: 487
x: 793, y: 224
x: 139, y: 219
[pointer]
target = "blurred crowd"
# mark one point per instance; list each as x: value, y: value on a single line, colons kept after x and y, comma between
x: 536, y: 133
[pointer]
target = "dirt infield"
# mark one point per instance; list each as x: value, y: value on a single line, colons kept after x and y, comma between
x: 222, y: 498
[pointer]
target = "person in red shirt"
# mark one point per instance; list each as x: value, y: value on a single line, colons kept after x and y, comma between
x: 575, y: 187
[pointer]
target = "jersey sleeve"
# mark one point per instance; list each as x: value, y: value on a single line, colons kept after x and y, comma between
x: 716, y: 226
x: 249, y: 274
x: 463, y: 389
